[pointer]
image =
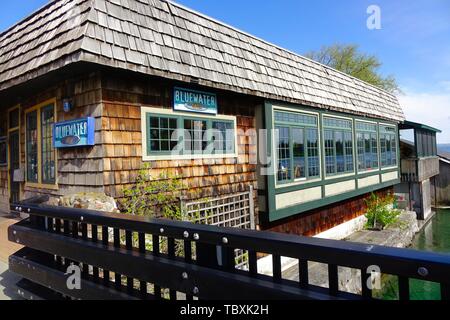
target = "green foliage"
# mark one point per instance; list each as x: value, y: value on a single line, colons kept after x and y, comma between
x: 154, y: 197
x: 348, y: 59
x: 379, y: 212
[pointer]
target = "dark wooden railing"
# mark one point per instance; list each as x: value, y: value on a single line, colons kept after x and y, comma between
x: 128, y: 257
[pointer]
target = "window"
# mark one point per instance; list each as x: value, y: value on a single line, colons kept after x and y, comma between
x: 367, y: 145
x: 195, y: 139
x: 47, y: 151
x: 223, y: 136
x: 297, y: 145
x: 388, y: 146
x: 338, y: 139
x: 40, y: 157
x: 186, y: 135
x: 3, y: 151
x: 161, y: 131
x: 32, y: 147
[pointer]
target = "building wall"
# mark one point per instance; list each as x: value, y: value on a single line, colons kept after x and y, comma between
x: 317, y: 221
x: 442, y: 182
x: 4, y: 192
x: 121, y: 135
x: 79, y: 169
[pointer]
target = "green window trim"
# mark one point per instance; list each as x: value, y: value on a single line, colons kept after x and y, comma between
x: 297, y: 147
x: 209, y: 136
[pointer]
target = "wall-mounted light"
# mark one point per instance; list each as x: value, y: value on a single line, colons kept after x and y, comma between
x: 67, y: 105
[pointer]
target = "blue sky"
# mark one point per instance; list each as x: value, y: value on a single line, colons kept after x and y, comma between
x: 413, y: 43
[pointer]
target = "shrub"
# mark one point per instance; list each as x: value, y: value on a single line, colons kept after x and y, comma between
x: 154, y: 197
x: 380, y: 213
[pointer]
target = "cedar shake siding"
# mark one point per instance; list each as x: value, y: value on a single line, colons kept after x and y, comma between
x: 121, y: 131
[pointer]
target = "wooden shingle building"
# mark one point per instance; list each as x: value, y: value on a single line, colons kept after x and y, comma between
x: 92, y: 89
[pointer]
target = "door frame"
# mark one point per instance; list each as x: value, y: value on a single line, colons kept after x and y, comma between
x: 17, y: 107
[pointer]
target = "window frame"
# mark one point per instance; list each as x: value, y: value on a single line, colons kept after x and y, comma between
x: 148, y: 155
x: 333, y: 129
x: 305, y: 127
x: 397, y: 146
x: 370, y: 132
x: 38, y: 108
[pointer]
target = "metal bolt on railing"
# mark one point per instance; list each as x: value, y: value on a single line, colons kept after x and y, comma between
x: 29, y: 210
x: 184, y: 275
x: 195, y: 291
x: 225, y: 240
x: 161, y: 230
x: 423, y: 271
x: 196, y: 236
x: 186, y: 234
x: 82, y: 218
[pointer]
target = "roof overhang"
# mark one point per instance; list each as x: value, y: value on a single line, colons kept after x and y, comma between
x: 408, y: 125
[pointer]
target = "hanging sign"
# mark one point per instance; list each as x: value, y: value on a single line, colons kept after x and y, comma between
x: 195, y: 101
x: 74, y: 133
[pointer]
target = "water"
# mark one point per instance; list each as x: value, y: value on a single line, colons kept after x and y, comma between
x: 435, y: 237
x: 444, y: 148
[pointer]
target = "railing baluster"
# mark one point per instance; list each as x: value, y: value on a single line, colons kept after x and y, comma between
x: 188, y: 259
x: 333, y: 280
x: 155, y: 243
x: 252, y: 262
x: 403, y: 288
x: 445, y: 292
x: 95, y: 239
x: 142, y: 249
x: 49, y: 224
x: 74, y: 229
x: 303, y: 273
x: 66, y: 230
x: 129, y: 246
x: 171, y: 253
x: 58, y: 231
x: 365, y: 279
x: 105, y: 241
x: 117, y: 277
x: 228, y: 258
x: 84, y: 236
x: 276, y: 264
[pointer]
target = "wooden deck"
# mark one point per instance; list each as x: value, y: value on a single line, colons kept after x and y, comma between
x: 6, y: 248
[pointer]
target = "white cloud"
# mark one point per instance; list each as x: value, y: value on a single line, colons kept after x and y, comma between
x: 432, y: 109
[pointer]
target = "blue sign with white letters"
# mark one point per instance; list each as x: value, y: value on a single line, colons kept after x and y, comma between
x: 74, y: 133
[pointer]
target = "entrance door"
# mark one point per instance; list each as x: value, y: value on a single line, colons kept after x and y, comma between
x: 14, y: 163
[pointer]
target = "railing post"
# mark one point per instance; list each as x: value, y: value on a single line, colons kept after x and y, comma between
x: 252, y: 208
x: 207, y: 255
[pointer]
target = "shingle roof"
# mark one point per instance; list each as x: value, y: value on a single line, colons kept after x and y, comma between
x: 165, y: 39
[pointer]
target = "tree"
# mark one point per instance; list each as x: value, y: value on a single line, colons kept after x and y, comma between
x: 348, y: 59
